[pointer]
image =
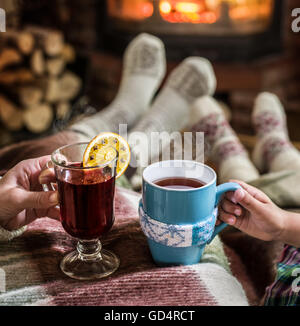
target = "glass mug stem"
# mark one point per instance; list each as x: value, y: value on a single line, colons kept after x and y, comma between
x: 89, y: 250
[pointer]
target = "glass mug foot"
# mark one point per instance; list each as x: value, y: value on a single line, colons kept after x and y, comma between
x: 89, y: 261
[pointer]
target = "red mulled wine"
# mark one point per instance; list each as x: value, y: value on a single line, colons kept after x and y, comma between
x: 86, y: 201
x: 179, y: 183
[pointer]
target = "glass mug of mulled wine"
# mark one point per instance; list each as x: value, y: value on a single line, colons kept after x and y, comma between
x: 86, y: 200
x: 178, y: 210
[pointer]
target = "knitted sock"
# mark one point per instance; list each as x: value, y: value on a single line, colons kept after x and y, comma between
x: 273, y: 151
x: 143, y: 70
x: 194, y: 77
x: 170, y: 111
x: 226, y: 151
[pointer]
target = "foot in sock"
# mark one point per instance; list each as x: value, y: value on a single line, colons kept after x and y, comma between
x: 170, y: 110
x: 225, y: 149
x: 273, y: 151
x: 143, y: 70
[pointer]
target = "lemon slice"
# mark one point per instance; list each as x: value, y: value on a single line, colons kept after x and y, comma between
x: 101, y: 150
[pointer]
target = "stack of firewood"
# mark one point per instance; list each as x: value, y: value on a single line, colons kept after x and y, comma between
x: 36, y: 86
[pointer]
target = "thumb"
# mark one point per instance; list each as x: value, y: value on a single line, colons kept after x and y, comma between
x: 246, y: 200
x: 39, y: 200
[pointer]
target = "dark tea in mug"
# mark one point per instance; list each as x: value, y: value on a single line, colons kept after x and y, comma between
x: 179, y: 183
x: 86, y: 202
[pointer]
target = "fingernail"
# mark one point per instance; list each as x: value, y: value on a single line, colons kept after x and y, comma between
x: 237, y: 212
x: 54, y: 198
x: 231, y: 221
x: 239, y: 195
x: 233, y: 200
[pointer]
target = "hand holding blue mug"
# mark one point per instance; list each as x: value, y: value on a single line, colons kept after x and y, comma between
x: 179, y: 222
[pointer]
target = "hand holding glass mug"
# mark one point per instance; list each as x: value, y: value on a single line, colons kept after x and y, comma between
x: 21, y: 197
x: 84, y: 176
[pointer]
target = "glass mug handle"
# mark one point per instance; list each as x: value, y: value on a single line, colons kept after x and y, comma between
x: 221, y: 189
x: 52, y: 185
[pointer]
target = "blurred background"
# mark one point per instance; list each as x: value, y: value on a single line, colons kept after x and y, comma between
x: 62, y: 59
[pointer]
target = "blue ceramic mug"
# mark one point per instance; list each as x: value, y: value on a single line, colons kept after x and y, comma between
x: 179, y: 223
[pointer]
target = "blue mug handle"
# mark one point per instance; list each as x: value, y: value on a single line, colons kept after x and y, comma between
x: 221, y: 189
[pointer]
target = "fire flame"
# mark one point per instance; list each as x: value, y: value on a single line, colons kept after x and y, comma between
x: 191, y: 11
x: 186, y: 12
x: 147, y: 9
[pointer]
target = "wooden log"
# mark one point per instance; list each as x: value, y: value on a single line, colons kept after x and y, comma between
x: 55, y: 66
x: 70, y: 85
x: 21, y: 40
x: 19, y: 76
x: 9, y: 57
x: 37, y: 62
x: 30, y: 95
x: 24, y: 95
x: 51, y: 41
x: 52, y: 94
x: 25, y: 42
x: 63, y: 109
x: 10, y: 115
x: 38, y: 119
x: 68, y: 53
x: 63, y: 89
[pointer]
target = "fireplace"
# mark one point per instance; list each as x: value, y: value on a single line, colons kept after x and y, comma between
x: 216, y: 29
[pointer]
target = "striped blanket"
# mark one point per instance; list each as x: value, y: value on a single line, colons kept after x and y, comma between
x: 30, y: 271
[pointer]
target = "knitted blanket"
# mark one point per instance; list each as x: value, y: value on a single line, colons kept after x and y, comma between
x: 29, y: 266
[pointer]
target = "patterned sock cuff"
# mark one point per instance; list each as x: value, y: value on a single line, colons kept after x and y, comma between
x: 215, y: 127
x: 227, y: 147
x: 273, y: 146
x: 267, y: 122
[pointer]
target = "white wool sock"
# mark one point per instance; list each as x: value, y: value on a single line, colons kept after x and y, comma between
x: 226, y: 151
x: 143, y: 70
x: 170, y: 111
x: 273, y: 152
